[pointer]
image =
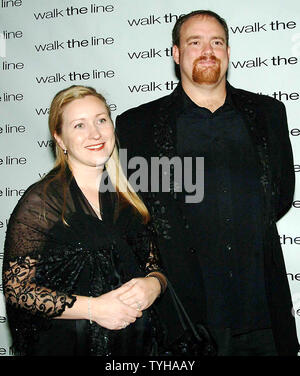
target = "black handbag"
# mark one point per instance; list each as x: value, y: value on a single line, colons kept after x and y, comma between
x: 195, y: 340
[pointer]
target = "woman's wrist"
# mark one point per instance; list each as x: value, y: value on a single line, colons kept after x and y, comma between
x: 89, y: 306
x: 161, y: 279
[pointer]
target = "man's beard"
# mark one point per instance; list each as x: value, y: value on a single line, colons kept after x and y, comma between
x: 206, y: 74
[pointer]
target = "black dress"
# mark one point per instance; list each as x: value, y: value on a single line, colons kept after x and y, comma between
x: 47, y: 263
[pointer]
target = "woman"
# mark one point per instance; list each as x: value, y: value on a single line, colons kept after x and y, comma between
x: 77, y: 259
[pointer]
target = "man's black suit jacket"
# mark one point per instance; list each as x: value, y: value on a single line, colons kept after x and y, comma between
x: 150, y: 131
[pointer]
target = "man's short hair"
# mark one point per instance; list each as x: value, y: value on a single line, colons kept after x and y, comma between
x: 181, y: 20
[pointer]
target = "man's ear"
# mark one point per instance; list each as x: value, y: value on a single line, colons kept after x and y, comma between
x: 228, y: 52
x: 175, y: 51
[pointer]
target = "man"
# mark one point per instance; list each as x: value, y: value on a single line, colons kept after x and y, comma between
x: 222, y: 254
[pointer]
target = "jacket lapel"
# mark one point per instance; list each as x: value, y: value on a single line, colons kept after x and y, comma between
x: 164, y: 129
x: 256, y: 124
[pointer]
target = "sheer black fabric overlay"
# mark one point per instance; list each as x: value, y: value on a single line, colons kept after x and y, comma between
x: 47, y: 262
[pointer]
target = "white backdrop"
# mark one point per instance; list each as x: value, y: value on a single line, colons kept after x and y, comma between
x: 123, y: 49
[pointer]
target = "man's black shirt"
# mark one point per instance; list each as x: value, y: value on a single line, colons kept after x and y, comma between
x: 227, y: 224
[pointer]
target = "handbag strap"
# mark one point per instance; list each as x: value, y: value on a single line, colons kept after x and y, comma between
x: 181, y: 311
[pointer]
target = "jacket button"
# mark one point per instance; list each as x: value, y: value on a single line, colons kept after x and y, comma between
x: 192, y: 250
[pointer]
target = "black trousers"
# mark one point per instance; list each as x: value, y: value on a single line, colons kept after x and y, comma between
x: 255, y: 343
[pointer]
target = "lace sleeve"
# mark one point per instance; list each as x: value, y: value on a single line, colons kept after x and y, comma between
x: 22, y: 292
x: 26, y: 241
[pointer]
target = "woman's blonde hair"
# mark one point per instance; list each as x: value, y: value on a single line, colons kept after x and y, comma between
x: 124, y: 190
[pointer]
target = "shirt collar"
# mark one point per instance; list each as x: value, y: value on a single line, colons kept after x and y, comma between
x: 188, y: 104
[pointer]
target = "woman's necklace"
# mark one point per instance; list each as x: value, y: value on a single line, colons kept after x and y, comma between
x: 96, y: 209
x: 87, y: 192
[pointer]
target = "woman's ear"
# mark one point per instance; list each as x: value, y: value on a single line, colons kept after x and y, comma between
x: 59, y: 141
